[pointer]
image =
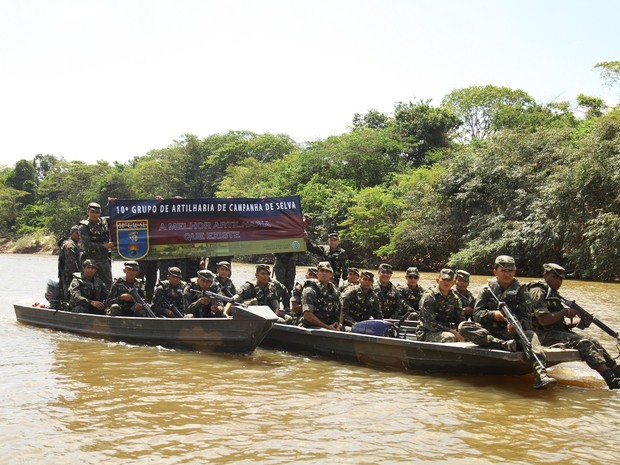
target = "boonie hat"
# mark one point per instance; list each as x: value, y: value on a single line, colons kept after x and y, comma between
x: 463, y: 274
x: 446, y: 273
x: 368, y: 274
x: 263, y: 266
x: 174, y: 271
x: 555, y: 268
x: 412, y: 271
x: 386, y: 267
x: 206, y: 274
x: 505, y: 261
x: 89, y: 262
x: 132, y: 265
x: 325, y: 266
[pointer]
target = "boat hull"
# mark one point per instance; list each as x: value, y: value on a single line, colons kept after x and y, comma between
x: 407, y: 354
x: 240, y: 334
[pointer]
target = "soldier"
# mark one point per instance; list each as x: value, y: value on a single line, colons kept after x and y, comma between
x: 353, y: 278
x: 260, y: 290
x: 392, y: 303
x: 440, y: 311
x: 359, y: 301
x: 198, y: 304
x: 120, y: 302
x: 285, y: 266
x: 467, y: 298
x: 411, y: 292
x: 296, y: 296
x: 222, y: 279
x: 87, y: 293
x: 168, y: 298
x: 334, y: 254
x: 552, y: 328
x: 320, y: 300
x: 95, y: 242
x: 69, y: 261
x: 490, y: 328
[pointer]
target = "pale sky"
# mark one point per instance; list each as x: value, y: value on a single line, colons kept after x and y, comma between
x: 109, y: 80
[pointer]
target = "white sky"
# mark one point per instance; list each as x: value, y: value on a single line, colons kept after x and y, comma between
x: 109, y: 80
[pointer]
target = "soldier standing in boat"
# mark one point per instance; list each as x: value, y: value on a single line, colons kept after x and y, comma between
x: 69, y: 261
x: 320, y: 300
x: 87, y: 293
x: 285, y: 265
x: 334, y: 254
x: 95, y: 242
x: 490, y: 327
x: 120, y: 302
x: 440, y: 311
x: 467, y: 298
x: 550, y: 324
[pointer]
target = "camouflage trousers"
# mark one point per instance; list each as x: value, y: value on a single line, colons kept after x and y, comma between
x: 590, y: 350
x: 481, y: 336
x: 438, y: 336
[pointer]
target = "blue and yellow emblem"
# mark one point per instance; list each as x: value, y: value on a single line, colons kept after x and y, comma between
x: 132, y: 238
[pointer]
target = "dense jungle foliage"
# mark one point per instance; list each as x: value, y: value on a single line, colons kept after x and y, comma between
x: 489, y: 171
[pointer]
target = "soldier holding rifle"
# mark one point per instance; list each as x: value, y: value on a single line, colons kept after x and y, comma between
x: 551, y: 324
x: 120, y: 302
x: 196, y: 300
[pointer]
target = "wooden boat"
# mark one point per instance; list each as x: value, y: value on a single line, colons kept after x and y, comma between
x: 407, y: 353
x: 240, y: 334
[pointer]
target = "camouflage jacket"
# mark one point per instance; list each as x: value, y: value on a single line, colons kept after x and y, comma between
x: 191, y: 295
x: 81, y: 290
x: 359, y: 306
x: 322, y: 300
x: 121, y: 286
x: 338, y: 259
x: 167, y: 296
x: 542, y: 305
x: 410, y: 296
x: 437, y: 311
x: 225, y: 288
x: 391, y: 301
x: 267, y: 295
x: 69, y: 259
x: 467, y: 298
x: 92, y: 238
x: 516, y: 297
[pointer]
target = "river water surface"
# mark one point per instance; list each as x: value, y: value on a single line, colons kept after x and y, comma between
x: 67, y: 399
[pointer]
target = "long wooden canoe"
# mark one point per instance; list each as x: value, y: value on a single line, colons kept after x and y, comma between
x: 240, y: 334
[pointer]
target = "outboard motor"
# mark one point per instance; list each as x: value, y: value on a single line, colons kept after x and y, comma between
x: 52, y: 293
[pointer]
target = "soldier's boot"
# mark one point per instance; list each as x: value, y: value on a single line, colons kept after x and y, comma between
x: 542, y: 380
x: 611, y: 379
x: 500, y: 344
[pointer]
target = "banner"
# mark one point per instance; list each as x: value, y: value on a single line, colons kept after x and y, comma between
x: 180, y: 228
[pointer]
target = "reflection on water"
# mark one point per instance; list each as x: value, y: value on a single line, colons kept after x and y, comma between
x: 69, y: 399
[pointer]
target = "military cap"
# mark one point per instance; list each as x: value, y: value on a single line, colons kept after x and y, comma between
x: 206, y: 274
x: 75, y: 227
x: 94, y: 206
x: 334, y: 235
x: 463, y: 274
x: 412, y: 271
x: 386, y: 267
x: 505, y: 261
x: 132, y: 265
x: 325, y: 266
x: 263, y: 266
x: 313, y: 269
x: 89, y: 262
x: 368, y: 274
x: 353, y: 270
x: 446, y: 273
x: 555, y: 268
x: 174, y: 271
x: 224, y: 264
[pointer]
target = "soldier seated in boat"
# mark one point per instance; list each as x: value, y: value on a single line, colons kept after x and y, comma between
x: 196, y: 303
x: 120, y: 302
x: 222, y: 279
x: 353, y: 278
x: 440, y: 311
x: 467, y: 298
x: 551, y: 325
x: 87, y: 293
x: 411, y: 292
x: 320, y: 300
x: 490, y: 327
x: 392, y: 303
x: 297, y: 313
x: 168, y: 297
x: 360, y: 302
x: 258, y: 291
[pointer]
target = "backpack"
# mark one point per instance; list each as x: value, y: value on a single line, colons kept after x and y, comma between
x: 376, y: 328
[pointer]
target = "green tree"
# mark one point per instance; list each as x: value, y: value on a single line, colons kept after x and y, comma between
x: 610, y: 72
x: 593, y: 107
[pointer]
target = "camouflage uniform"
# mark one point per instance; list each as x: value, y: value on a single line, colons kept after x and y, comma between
x: 213, y: 309
x: 82, y: 291
x: 167, y: 296
x: 118, y: 307
x: 69, y: 262
x: 284, y: 296
x: 285, y: 267
x: 322, y: 300
x: 590, y: 350
x: 467, y: 299
x: 391, y: 301
x: 92, y: 237
x: 337, y: 259
x: 439, y: 314
x: 358, y: 305
x: 411, y: 297
x: 267, y: 295
x: 226, y: 288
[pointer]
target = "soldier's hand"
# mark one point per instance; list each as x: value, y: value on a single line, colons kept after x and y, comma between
x: 587, y: 321
x: 498, y: 316
x: 511, y: 329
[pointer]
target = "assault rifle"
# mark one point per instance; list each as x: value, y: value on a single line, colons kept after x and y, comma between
x: 223, y: 298
x: 584, y: 316
x: 133, y: 292
x: 512, y: 320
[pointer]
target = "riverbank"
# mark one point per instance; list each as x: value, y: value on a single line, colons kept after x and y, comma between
x: 34, y: 244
